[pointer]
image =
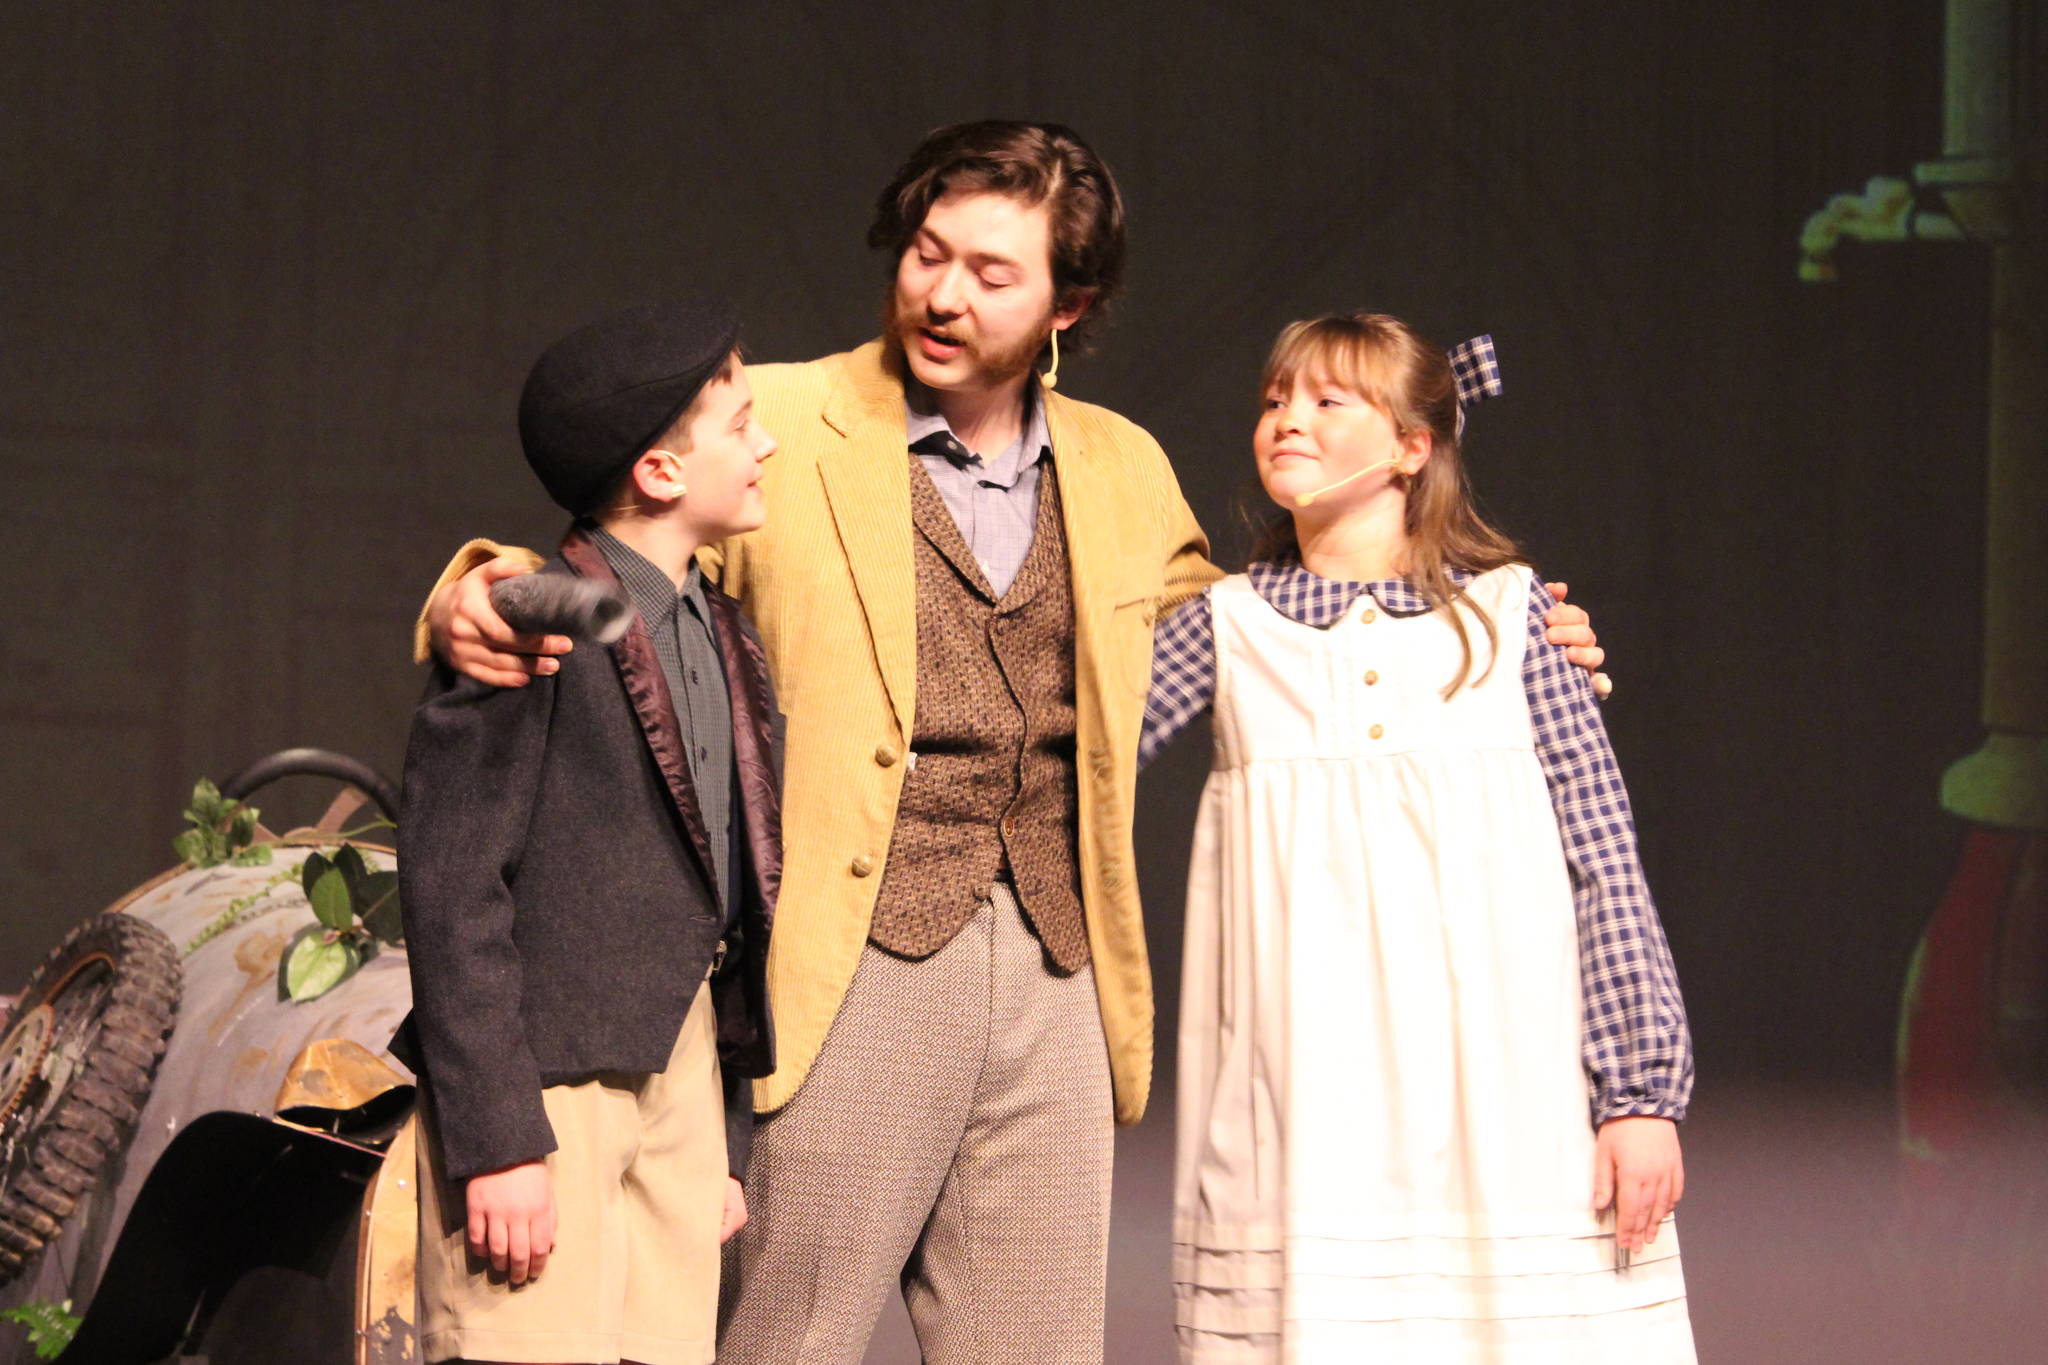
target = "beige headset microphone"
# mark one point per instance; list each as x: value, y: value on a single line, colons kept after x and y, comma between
x: 1308, y: 498
x: 1476, y: 374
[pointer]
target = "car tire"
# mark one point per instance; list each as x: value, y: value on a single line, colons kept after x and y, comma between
x: 78, y: 1053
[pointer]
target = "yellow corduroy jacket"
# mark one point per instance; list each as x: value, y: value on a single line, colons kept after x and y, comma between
x: 831, y: 585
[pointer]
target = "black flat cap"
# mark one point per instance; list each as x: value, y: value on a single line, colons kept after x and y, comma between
x: 600, y: 396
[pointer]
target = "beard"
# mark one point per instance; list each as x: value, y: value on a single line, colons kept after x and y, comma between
x: 996, y: 364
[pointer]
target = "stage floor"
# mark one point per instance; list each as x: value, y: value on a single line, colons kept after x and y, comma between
x: 1803, y: 1243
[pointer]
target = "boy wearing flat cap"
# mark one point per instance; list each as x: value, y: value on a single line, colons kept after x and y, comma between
x: 589, y: 869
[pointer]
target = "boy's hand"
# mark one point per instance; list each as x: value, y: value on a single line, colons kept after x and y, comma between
x: 1572, y: 628
x: 512, y: 1219
x: 1637, y: 1168
x: 470, y: 637
x: 735, y: 1211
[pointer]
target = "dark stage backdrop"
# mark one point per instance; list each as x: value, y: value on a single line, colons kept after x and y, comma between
x: 275, y: 272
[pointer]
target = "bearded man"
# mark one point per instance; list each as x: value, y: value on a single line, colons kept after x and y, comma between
x: 957, y: 587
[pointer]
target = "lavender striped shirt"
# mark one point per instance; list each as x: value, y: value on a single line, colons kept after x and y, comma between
x: 994, y: 501
x: 1637, y: 1047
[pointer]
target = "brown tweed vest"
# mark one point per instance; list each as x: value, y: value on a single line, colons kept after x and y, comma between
x: 993, y: 788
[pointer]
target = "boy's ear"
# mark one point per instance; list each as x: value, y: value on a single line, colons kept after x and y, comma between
x: 658, y: 474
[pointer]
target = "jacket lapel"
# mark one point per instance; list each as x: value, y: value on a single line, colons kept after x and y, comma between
x: 935, y: 523
x: 1088, y: 503
x: 753, y: 745
x: 655, y: 709
x: 867, y: 484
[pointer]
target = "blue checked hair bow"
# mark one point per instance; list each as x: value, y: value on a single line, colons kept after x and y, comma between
x: 1476, y: 371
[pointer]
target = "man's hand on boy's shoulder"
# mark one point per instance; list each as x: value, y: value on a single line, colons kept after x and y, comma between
x: 735, y: 1216
x: 512, y: 1219
x: 466, y: 632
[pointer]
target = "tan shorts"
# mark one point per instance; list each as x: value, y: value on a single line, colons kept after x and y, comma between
x: 639, y: 1177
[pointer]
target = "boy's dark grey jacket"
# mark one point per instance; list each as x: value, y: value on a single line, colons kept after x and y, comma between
x: 556, y: 880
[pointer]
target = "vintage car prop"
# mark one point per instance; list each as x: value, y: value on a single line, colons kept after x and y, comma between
x: 204, y: 1166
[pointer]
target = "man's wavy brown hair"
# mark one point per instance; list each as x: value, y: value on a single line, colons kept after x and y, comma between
x: 1037, y: 163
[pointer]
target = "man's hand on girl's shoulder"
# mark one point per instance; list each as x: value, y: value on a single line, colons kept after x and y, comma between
x: 1571, y: 627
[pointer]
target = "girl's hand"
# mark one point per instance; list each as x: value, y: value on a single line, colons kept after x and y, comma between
x: 512, y: 1219
x: 1572, y: 628
x: 468, y: 635
x: 735, y: 1216
x: 1637, y: 1169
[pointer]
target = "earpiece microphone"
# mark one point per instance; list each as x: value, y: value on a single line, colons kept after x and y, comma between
x: 1306, y: 499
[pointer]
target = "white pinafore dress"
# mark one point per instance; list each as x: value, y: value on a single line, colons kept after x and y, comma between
x: 1384, y: 1146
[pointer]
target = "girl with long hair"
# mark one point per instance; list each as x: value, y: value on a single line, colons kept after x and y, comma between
x: 1432, y: 1051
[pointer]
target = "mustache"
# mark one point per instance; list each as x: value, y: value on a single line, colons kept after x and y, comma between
x: 903, y: 318
x: 900, y: 318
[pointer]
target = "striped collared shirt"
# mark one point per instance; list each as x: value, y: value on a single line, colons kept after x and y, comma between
x: 994, y: 501
x: 1637, y: 1047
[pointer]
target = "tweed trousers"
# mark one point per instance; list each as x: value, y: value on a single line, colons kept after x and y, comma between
x: 954, y: 1134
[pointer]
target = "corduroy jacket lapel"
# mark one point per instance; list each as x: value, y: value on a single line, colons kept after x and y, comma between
x: 867, y: 483
x: 652, y: 705
x: 1089, y: 504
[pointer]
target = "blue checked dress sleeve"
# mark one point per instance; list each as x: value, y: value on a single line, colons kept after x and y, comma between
x: 1637, y: 1048
x: 1183, y: 674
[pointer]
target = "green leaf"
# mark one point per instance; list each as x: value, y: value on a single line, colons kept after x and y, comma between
x: 191, y: 847
x: 377, y: 904
x: 50, y: 1326
x: 316, y: 933
x: 331, y: 905
x: 256, y: 855
x: 350, y: 860
x: 315, y: 966
x: 206, y: 806
x: 208, y: 848
x: 207, y: 843
x: 312, y: 870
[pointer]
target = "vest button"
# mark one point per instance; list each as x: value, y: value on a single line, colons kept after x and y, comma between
x: 885, y: 755
x: 1375, y: 733
x: 861, y: 866
x: 1371, y: 677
